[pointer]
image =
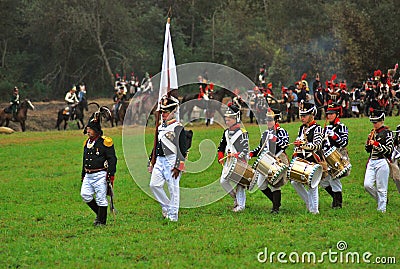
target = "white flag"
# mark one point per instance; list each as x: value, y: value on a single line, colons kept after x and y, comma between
x: 168, y: 79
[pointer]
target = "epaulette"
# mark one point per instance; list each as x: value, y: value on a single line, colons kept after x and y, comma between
x: 108, y: 142
x: 243, y: 130
x: 84, y: 143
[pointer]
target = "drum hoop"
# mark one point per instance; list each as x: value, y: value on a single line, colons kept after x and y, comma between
x: 344, y: 171
x: 260, y: 157
x: 316, y: 166
x: 231, y: 168
x: 278, y: 174
x: 329, y: 152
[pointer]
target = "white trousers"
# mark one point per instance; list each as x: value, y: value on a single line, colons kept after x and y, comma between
x: 376, y: 181
x: 162, y: 173
x: 310, y: 196
x: 95, y: 184
x: 336, y: 184
x: 240, y: 191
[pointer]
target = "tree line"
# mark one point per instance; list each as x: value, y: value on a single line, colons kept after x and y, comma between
x: 47, y: 46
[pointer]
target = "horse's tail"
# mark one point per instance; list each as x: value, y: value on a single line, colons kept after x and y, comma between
x: 94, y: 103
x: 106, y: 112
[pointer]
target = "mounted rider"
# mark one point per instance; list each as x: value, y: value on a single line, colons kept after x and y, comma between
x: 119, y: 98
x: 14, y: 103
x: 206, y: 89
x: 72, y: 100
x: 146, y: 85
x: 82, y: 92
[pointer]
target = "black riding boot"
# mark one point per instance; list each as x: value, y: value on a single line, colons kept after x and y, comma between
x: 276, y: 201
x: 102, y: 216
x: 92, y: 204
x: 332, y: 194
x: 337, y: 200
x: 268, y: 193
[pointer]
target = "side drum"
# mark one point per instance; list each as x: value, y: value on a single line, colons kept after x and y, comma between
x: 239, y: 172
x: 338, y: 164
x: 272, y: 168
x: 305, y: 172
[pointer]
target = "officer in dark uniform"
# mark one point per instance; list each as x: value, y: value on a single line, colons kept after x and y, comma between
x: 99, y: 166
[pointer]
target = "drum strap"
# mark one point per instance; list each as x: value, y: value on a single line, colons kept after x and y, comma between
x: 169, y: 144
x: 232, y: 140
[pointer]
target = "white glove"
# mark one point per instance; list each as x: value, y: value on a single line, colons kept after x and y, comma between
x: 329, y: 132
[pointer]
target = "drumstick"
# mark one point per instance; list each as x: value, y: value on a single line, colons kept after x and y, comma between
x: 222, y: 159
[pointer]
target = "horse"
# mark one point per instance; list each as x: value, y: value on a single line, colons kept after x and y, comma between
x: 20, y: 116
x: 210, y: 107
x: 141, y: 105
x: 120, y: 115
x: 77, y: 115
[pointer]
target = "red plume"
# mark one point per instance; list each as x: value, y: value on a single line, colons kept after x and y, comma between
x: 211, y: 86
x: 303, y: 77
x: 333, y: 77
x: 269, y: 85
x: 396, y: 66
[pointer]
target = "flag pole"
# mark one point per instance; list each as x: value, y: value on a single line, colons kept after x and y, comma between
x: 153, y: 154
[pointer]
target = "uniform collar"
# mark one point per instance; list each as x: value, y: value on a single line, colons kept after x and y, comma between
x: 234, y: 127
x: 94, y: 139
x: 311, y: 123
x: 274, y: 127
x: 380, y: 129
x: 168, y: 122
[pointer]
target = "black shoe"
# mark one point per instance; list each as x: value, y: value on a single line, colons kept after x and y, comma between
x: 274, y: 211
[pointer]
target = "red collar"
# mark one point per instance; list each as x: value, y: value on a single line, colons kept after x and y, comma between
x: 234, y: 127
x: 312, y: 123
x: 94, y: 139
x: 380, y: 129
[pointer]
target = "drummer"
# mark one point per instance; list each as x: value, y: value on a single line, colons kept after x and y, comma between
x: 275, y: 140
x: 379, y: 145
x: 307, y: 146
x: 234, y: 144
x: 336, y: 135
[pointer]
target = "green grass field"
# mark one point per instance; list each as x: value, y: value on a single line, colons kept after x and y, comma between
x: 45, y: 224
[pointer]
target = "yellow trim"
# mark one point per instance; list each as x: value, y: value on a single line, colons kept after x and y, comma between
x: 108, y: 142
x: 84, y: 143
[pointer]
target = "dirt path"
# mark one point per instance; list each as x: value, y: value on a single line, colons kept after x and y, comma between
x: 44, y: 117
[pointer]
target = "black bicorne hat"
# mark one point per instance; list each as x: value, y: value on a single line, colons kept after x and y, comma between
x: 94, y: 124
